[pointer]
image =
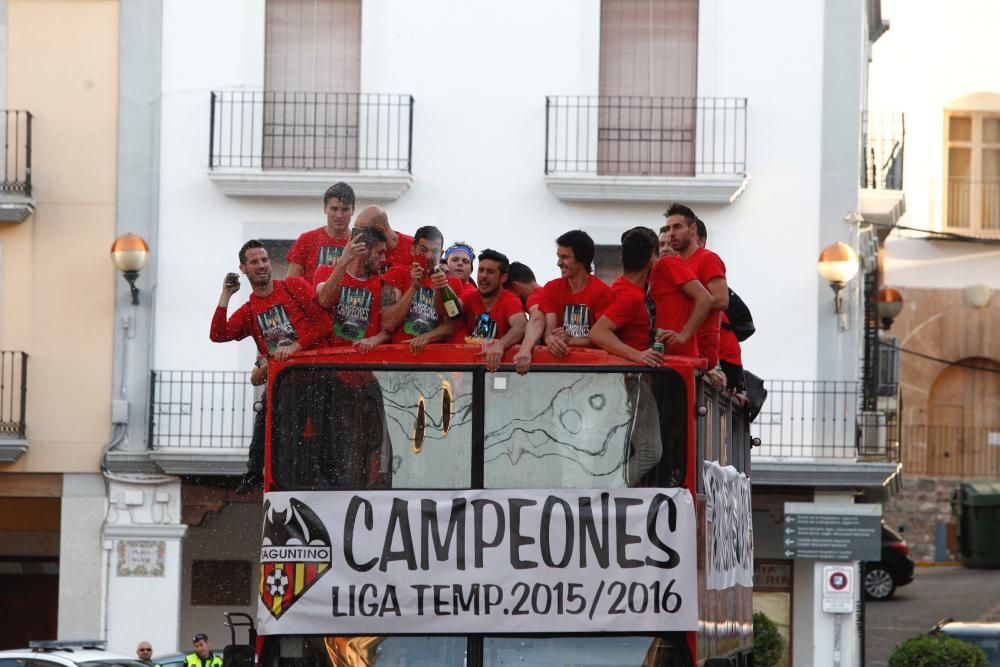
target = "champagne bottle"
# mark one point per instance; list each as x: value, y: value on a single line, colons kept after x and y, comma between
x: 450, y: 301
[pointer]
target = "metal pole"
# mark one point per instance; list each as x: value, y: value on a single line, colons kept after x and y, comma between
x: 837, y: 619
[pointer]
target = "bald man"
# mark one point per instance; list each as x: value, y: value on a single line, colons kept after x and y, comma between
x: 144, y: 651
x: 397, y: 245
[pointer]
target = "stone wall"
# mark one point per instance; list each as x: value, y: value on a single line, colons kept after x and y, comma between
x: 918, y: 507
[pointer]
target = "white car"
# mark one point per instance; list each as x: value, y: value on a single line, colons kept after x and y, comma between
x: 67, y: 654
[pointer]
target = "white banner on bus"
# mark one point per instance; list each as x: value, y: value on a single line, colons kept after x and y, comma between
x: 729, y: 527
x: 489, y: 561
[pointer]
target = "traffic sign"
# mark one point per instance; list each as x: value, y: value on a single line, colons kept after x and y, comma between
x: 838, y: 589
x: 832, y: 532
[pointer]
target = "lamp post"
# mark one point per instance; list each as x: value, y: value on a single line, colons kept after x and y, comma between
x: 890, y: 304
x: 838, y: 264
x: 129, y: 253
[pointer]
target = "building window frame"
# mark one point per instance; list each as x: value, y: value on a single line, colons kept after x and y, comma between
x: 971, y: 180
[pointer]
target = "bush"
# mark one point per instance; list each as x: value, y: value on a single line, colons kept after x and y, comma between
x: 767, y: 643
x: 937, y: 650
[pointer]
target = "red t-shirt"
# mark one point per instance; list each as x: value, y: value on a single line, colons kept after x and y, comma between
x: 356, y: 307
x: 534, y: 299
x: 422, y: 315
x: 288, y: 314
x: 673, y: 308
x: 402, y: 254
x: 729, y: 346
x: 576, y: 312
x: 493, y: 323
x: 706, y: 266
x: 315, y: 248
x: 628, y: 313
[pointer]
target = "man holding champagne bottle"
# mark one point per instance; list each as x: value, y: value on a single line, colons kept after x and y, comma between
x: 419, y: 303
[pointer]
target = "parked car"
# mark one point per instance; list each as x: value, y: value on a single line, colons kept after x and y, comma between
x: 984, y: 635
x: 83, y: 653
x: 881, y: 577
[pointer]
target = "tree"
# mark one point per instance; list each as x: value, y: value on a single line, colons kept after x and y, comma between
x: 937, y: 650
x: 767, y: 642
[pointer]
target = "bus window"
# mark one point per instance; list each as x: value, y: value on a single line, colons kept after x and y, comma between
x: 586, y: 652
x: 585, y: 430
x: 357, y: 429
x: 335, y: 651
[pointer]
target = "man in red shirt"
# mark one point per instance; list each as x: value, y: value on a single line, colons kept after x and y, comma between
x: 411, y: 298
x: 681, y: 224
x: 624, y: 329
x: 324, y: 244
x: 352, y: 291
x: 493, y: 314
x: 573, y: 302
x: 283, y: 316
x: 681, y: 304
x: 459, y: 256
x: 521, y: 281
x: 398, y: 246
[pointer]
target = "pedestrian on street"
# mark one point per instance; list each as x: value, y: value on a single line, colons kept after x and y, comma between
x: 144, y: 651
x: 203, y: 656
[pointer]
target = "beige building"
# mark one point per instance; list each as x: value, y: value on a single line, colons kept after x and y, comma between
x: 57, y: 291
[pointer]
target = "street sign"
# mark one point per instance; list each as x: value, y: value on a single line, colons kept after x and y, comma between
x: 838, y: 589
x: 832, y: 532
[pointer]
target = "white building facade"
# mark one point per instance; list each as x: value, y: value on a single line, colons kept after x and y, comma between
x: 504, y: 125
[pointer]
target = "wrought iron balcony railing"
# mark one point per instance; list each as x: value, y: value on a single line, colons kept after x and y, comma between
x: 13, y: 394
x: 300, y: 131
x: 200, y: 409
x: 15, y: 170
x: 823, y: 419
x: 645, y: 136
x: 883, y: 138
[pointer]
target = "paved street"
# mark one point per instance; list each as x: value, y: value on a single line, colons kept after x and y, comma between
x: 936, y: 593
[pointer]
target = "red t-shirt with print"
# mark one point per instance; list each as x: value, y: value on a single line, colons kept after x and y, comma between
x: 422, y: 316
x: 402, y: 254
x: 316, y: 248
x: 628, y: 313
x: 706, y: 266
x: 673, y: 308
x: 492, y: 323
x: 356, y: 307
x: 576, y: 312
x: 289, y: 314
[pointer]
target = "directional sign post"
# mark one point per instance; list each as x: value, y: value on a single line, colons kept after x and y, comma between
x: 832, y: 532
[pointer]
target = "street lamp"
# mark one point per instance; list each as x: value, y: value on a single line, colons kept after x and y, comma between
x: 890, y: 304
x: 838, y: 264
x: 129, y: 253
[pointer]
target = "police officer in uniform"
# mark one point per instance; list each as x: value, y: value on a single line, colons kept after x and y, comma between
x: 203, y: 656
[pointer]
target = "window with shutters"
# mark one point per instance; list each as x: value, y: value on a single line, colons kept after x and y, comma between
x: 648, y: 85
x: 312, y: 78
x: 972, y: 172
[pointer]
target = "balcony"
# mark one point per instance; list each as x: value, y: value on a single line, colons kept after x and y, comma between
x: 288, y: 144
x: 200, y: 422
x: 883, y: 137
x: 646, y: 149
x: 16, y: 200
x: 815, y: 433
x: 13, y: 399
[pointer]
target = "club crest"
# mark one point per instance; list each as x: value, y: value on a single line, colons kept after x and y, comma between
x: 295, y: 552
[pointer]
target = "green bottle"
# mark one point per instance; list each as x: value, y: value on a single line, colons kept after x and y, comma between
x: 452, y: 305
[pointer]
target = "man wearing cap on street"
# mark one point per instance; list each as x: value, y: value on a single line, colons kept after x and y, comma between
x: 459, y: 257
x: 202, y: 656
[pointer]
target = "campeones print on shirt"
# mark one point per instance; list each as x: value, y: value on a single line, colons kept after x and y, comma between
x: 576, y: 320
x: 422, y: 316
x: 276, y: 327
x: 354, y: 311
x: 328, y: 255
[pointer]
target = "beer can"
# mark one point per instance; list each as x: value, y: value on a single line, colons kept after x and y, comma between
x: 657, y: 347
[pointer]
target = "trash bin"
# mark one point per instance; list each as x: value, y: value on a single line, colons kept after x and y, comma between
x: 977, y: 507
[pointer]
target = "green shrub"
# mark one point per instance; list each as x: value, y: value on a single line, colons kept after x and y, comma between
x: 937, y: 650
x: 767, y: 643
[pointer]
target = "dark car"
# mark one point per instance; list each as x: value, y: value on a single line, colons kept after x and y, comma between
x: 881, y: 577
x: 170, y: 660
x: 984, y: 635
